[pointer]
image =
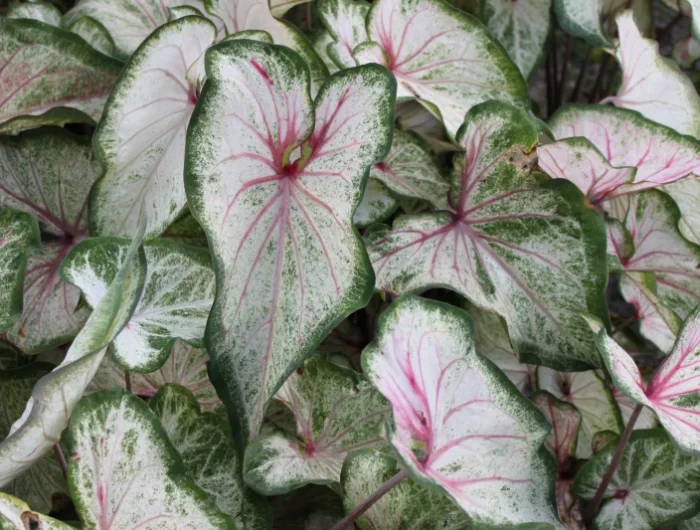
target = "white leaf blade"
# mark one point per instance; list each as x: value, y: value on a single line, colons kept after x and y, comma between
x: 15, y: 514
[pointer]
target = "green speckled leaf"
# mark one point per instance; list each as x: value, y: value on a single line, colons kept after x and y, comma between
x: 345, y: 22
x: 19, y: 237
x: 582, y: 18
x: 377, y: 204
x: 56, y: 394
x: 41, y: 11
x: 655, y: 485
x: 529, y: 250
x: 686, y: 195
x: 590, y: 395
x: 186, y: 366
x: 141, y: 139
x: 176, y: 300
x: 15, y: 514
x: 521, y: 27
x: 653, y: 85
x: 40, y: 482
x: 336, y: 412
x: 275, y: 184
x: 56, y: 194
x: 407, y: 506
x: 125, y: 474
x: 43, y: 68
x: 425, y: 364
x: 441, y: 56
x: 209, y: 454
x: 94, y: 33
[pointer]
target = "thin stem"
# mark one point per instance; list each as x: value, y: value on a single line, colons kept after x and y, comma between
x: 663, y: 32
x: 599, y: 78
x: 581, y: 75
x: 561, y: 92
x: 622, y: 444
x: 61, y: 460
x: 550, y: 84
x: 127, y: 379
x: 308, y: 15
x: 624, y: 324
x: 369, y: 501
x: 555, y: 73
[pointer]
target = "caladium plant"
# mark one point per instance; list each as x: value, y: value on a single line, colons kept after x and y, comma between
x: 316, y: 265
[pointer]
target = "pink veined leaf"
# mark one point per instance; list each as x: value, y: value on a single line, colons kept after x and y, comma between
x: 48, y: 75
x: 646, y: 420
x: 345, y: 22
x: 275, y: 184
x: 492, y: 247
x: 673, y: 392
x: 440, y: 56
x: 56, y: 195
x: 186, y: 366
x: 622, y: 141
x: 565, y: 420
x: 452, y: 427
x: 651, y: 84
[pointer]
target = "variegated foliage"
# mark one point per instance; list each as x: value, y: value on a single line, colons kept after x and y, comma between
x: 529, y: 250
x: 275, y: 185
x: 336, y: 411
x: 449, y: 404
x: 56, y: 195
x: 15, y: 514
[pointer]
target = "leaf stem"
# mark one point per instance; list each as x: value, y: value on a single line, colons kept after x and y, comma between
x: 561, y: 93
x: 369, y: 501
x: 61, y: 459
x: 127, y: 380
x: 581, y: 75
x: 622, y: 444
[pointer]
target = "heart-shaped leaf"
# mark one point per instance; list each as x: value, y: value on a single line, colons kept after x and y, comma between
x: 19, y: 236
x: 176, y: 300
x: 521, y: 27
x: 529, y: 250
x: 583, y: 19
x: 51, y: 75
x: 56, y: 195
x: 450, y: 404
x: 654, y: 485
x: 128, y: 23
x: 209, y: 454
x: 407, y: 506
x: 125, y: 474
x: 592, y: 398
x: 345, y: 22
x: 260, y: 178
x: 377, y: 205
x: 37, y: 485
x: 672, y: 392
x: 336, y: 412
x: 441, y: 56
x: 15, y: 514
x: 141, y: 139
x: 651, y: 84
x: 56, y: 394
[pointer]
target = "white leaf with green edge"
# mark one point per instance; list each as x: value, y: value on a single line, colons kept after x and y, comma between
x: 345, y: 22
x: 275, y: 185
x: 582, y: 19
x: 15, y: 514
x: 94, y: 33
x: 412, y: 116
x: 141, y: 139
x: 186, y: 230
x: 686, y: 52
x: 646, y: 420
x: 41, y: 11
x: 491, y: 340
x: 209, y: 454
x: 336, y: 412
x: 692, y: 8
x: 672, y: 392
x: 377, y: 204
x: 320, y: 44
x: 251, y: 34
x: 186, y: 366
x: 56, y: 195
x: 654, y: 485
x: 578, y: 160
x: 529, y: 250
x: 407, y: 506
x: 233, y: 16
x: 279, y: 7
x: 565, y: 420
x: 591, y: 396
x: 651, y: 223
x: 19, y: 237
x: 177, y: 296
x: 125, y: 474
x: 56, y: 394
x: 449, y: 405
x: 653, y: 85
x: 627, y: 139
x: 37, y: 485
x: 441, y: 56
x: 184, y: 11
x: 410, y: 172
x: 49, y: 75
x: 686, y: 194
x: 128, y: 23
x: 521, y: 27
